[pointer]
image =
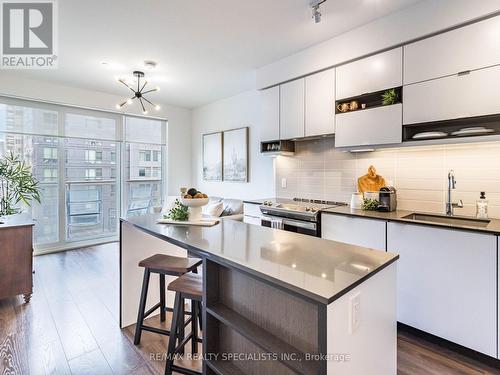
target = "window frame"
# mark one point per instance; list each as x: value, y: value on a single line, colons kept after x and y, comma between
x: 61, y: 111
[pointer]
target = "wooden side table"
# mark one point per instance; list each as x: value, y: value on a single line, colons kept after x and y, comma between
x: 16, y: 259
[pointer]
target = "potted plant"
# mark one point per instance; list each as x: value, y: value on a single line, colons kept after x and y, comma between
x: 17, y: 185
x: 390, y: 97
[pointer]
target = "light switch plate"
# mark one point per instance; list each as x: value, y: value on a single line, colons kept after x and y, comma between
x: 354, y: 313
x: 283, y: 183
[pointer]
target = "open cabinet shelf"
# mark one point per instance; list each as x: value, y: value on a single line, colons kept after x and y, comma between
x: 285, y: 353
x: 220, y: 367
x: 277, y: 148
x: 450, y: 126
x: 370, y: 100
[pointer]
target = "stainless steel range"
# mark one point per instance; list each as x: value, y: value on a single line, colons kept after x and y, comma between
x: 297, y: 215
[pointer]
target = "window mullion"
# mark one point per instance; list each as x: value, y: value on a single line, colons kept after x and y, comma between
x: 62, y: 179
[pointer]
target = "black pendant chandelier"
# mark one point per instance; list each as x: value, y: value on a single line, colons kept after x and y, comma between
x: 139, y: 92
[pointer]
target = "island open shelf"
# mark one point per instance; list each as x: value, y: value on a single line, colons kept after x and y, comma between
x: 271, y: 321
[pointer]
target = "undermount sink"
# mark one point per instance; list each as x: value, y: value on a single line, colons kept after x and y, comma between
x: 450, y: 220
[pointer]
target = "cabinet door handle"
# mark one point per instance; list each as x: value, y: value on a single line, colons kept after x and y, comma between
x: 463, y: 73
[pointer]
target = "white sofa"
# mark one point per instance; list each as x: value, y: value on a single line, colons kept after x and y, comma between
x: 218, y: 207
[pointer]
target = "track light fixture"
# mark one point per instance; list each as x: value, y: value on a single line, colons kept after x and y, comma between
x: 138, y: 93
x: 316, y: 14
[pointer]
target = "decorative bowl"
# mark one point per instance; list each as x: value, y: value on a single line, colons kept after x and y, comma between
x: 195, y: 204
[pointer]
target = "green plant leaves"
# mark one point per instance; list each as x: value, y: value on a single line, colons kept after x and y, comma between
x: 370, y: 204
x: 179, y: 212
x: 17, y: 184
x: 390, y: 97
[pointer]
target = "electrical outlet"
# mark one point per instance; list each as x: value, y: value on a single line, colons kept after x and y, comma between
x: 354, y: 313
x: 283, y: 183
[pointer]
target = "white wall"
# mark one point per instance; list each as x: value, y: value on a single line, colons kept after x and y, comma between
x: 419, y: 20
x: 179, y: 119
x: 234, y: 112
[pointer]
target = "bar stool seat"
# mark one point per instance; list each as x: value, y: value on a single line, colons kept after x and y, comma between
x: 188, y: 286
x: 170, y: 265
x: 162, y: 265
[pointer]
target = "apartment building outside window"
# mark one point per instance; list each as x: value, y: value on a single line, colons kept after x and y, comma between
x: 144, y: 180
x: 50, y: 153
x: 98, y: 178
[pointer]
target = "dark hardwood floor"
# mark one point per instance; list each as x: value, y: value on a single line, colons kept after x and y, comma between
x: 71, y: 327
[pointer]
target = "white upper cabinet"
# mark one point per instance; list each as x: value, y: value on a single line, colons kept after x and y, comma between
x: 467, y: 48
x: 292, y: 109
x: 457, y: 96
x: 320, y: 103
x: 374, y: 73
x: 376, y: 126
x: 270, y: 114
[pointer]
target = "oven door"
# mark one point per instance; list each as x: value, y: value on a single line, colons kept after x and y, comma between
x: 290, y: 225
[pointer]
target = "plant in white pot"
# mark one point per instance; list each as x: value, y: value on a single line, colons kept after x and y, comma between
x: 17, y: 185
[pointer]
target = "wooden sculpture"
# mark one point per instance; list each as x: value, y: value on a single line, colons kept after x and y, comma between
x: 370, y: 181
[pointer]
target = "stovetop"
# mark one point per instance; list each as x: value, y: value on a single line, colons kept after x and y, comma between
x: 298, y: 207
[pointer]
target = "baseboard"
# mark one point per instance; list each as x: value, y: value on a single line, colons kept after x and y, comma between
x: 73, y: 246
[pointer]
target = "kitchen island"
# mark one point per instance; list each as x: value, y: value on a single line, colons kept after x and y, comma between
x: 276, y: 302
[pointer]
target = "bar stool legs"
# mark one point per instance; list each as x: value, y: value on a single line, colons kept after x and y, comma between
x: 177, y: 342
x: 172, y: 340
x: 162, y: 298
x: 143, y: 314
x: 188, y: 286
x: 194, y: 327
x: 163, y: 265
x: 142, y: 306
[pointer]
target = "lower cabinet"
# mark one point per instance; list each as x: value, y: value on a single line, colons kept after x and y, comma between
x: 251, y: 220
x: 353, y: 230
x: 251, y: 213
x: 447, y: 283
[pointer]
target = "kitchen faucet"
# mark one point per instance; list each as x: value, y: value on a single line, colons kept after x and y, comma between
x: 451, y: 185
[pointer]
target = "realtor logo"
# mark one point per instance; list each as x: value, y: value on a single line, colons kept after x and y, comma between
x: 28, y: 34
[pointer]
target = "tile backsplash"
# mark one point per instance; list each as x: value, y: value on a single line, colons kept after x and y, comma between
x: 319, y: 171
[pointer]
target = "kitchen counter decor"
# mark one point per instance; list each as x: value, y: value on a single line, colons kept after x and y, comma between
x: 371, y: 181
x: 367, y: 101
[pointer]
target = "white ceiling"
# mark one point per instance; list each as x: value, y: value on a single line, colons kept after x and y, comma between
x: 206, y: 49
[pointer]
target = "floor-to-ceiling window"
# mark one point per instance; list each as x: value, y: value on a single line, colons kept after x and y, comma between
x: 144, y: 166
x: 93, y: 167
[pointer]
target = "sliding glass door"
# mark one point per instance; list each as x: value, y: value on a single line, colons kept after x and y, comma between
x: 90, y: 189
x: 143, y: 166
x: 93, y: 167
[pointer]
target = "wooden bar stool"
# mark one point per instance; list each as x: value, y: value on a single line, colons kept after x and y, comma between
x: 188, y: 286
x: 162, y: 265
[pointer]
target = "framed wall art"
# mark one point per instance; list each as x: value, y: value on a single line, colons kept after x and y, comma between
x: 212, y: 156
x: 235, y: 155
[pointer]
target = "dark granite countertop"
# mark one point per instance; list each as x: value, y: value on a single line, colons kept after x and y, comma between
x: 492, y: 228
x: 315, y: 268
x: 20, y: 220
